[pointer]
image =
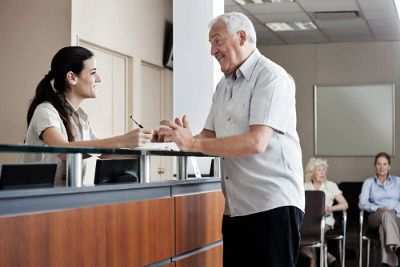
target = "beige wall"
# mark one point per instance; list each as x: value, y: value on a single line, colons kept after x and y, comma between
x: 31, y: 31
x: 134, y: 28
x: 345, y: 63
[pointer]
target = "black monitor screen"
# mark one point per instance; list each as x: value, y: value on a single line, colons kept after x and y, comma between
x: 109, y: 171
x: 27, y: 175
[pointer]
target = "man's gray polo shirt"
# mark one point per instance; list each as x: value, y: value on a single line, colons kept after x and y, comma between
x: 263, y: 93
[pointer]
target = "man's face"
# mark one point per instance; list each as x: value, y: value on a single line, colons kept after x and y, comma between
x: 225, y: 47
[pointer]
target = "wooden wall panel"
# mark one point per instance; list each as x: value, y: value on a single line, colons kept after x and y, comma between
x: 127, y: 234
x: 208, y: 258
x: 198, y: 220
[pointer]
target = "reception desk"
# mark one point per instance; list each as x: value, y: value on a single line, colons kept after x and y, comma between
x: 175, y: 223
x: 171, y: 223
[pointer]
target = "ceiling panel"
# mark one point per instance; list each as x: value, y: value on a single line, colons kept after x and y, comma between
x: 328, y: 5
x: 294, y: 37
x: 345, y: 30
x: 264, y: 35
x: 378, y: 9
x: 268, y: 39
x: 268, y: 8
x: 233, y: 8
x: 229, y: 2
x: 378, y: 20
x: 385, y: 29
x: 283, y: 17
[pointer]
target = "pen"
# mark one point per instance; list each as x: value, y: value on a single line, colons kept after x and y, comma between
x: 138, y: 124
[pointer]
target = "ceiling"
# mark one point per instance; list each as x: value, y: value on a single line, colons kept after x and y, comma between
x: 377, y: 20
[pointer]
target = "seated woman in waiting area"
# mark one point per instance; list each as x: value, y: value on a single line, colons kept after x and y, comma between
x: 380, y: 195
x: 316, y: 179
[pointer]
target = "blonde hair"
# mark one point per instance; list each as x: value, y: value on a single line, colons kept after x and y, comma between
x: 312, y: 164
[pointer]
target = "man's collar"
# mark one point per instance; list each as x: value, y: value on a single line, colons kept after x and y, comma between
x: 247, y: 68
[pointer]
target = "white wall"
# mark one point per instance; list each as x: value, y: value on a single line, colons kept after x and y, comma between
x: 194, y: 68
x: 31, y: 31
x: 344, y: 63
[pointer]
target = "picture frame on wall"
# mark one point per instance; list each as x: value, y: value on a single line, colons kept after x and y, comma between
x: 354, y: 120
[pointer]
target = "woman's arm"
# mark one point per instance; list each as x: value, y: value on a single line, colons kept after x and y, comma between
x: 341, y: 203
x: 364, y: 202
x: 52, y: 137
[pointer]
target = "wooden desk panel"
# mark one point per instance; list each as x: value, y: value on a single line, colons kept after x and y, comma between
x: 128, y: 234
x: 209, y: 258
x: 198, y: 220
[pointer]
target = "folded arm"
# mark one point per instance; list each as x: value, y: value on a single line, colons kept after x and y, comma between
x: 365, y: 203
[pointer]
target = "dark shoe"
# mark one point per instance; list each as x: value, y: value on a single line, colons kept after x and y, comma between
x: 397, y: 251
x: 331, y: 259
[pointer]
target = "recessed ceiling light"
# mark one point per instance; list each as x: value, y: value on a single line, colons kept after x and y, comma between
x: 279, y: 26
x: 291, y: 26
x: 305, y: 26
x: 240, y: 2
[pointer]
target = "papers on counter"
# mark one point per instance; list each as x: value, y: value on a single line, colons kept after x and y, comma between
x: 168, y: 146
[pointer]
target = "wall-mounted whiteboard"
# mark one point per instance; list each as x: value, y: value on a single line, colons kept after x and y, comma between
x: 354, y: 120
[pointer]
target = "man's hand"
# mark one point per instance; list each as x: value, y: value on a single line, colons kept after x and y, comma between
x: 177, y: 131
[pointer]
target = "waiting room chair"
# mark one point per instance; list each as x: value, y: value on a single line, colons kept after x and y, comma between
x: 313, y: 230
x: 339, y: 234
x: 351, y: 192
x: 367, y: 235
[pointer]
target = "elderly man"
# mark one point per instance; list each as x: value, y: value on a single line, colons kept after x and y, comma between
x: 252, y: 126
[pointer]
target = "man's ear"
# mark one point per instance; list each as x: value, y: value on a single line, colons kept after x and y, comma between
x: 71, y: 78
x: 242, y: 37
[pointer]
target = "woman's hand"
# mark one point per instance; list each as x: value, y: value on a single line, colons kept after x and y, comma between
x: 328, y: 210
x: 381, y: 210
x: 136, y: 137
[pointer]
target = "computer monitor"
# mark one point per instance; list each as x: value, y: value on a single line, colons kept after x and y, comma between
x: 112, y: 171
x: 27, y: 175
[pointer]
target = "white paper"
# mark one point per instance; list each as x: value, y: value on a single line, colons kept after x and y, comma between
x: 167, y: 146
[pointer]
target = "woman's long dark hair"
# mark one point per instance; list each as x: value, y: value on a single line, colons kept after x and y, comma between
x: 70, y: 58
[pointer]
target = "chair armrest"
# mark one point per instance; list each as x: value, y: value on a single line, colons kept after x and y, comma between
x: 361, y: 221
x: 344, y: 223
x: 323, y: 225
x: 361, y: 237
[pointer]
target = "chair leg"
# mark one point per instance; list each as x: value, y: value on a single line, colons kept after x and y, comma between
x: 360, y: 258
x: 343, y: 252
x: 321, y: 256
x: 368, y: 251
x: 326, y: 255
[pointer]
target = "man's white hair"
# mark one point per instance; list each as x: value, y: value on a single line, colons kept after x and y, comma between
x: 235, y: 22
